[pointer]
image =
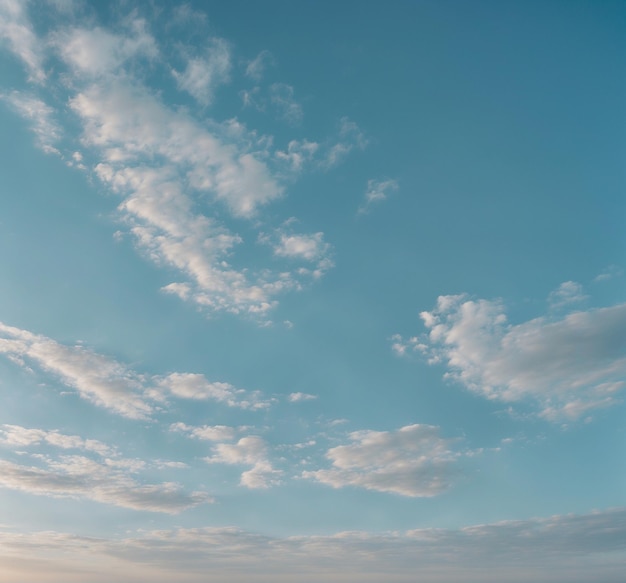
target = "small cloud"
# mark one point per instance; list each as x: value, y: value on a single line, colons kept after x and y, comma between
x: 282, y: 97
x: 256, y: 68
x: 569, y: 292
x: 297, y: 397
x: 377, y: 191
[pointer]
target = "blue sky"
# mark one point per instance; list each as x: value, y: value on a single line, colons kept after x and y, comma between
x: 312, y: 291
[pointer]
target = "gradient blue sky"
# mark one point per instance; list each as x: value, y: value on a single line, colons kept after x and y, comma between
x: 312, y: 291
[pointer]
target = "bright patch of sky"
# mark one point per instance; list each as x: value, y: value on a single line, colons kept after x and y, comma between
x: 319, y: 291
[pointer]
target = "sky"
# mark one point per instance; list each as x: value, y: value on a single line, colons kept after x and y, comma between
x: 312, y: 291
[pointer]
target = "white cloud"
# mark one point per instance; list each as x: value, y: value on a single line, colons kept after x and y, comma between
x: 412, y: 461
x: 98, y: 379
x: 95, y: 52
x: 250, y: 451
x: 17, y: 32
x: 569, y: 292
x: 17, y: 436
x: 204, y: 74
x: 297, y: 397
x: 40, y: 116
x: 112, y: 385
x: 298, y: 153
x: 205, y: 432
x: 282, y: 97
x: 377, y: 191
x: 197, y: 387
x: 566, y: 367
x: 107, y: 482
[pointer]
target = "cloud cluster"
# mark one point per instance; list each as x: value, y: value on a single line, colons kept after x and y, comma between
x: 566, y: 366
x: 413, y: 461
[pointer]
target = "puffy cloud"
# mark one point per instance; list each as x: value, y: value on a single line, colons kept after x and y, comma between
x: 566, y: 366
x: 95, y: 51
x: 108, y: 482
x: 377, y: 191
x: 250, y: 451
x: 565, y: 549
x: 412, y: 461
x: 204, y: 74
x: 298, y: 153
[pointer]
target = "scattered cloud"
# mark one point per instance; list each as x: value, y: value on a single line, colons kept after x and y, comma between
x: 100, y: 380
x: 350, y: 137
x: 298, y: 397
x: 107, y: 482
x: 17, y: 436
x: 569, y: 292
x: 205, y: 432
x: 566, y: 366
x: 39, y: 115
x: 251, y: 451
x: 17, y: 33
x: 377, y: 191
x: 608, y: 273
x: 282, y: 98
x: 202, y: 75
x: 256, y: 68
x: 413, y: 461
x: 109, y: 384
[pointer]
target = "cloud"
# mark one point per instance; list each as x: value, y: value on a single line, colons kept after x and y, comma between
x: 15, y: 435
x: 561, y: 549
x: 412, y: 461
x: 114, y: 386
x: 17, y: 33
x: 197, y: 387
x: 298, y: 154
x: 205, y: 432
x: 282, y: 97
x: 100, y: 380
x: 257, y: 66
x: 94, y: 52
x: 39, y: 115
x: 298, y: 397
x: 377, y: 191
x: 569, y: 292
x: 350, y: 137
x: 250, y: 451
x: 566, y: 366
x: 107, y: 482
x: 202, y: 75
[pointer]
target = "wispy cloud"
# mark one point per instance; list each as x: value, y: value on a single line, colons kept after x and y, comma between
x: 298, y: 397
x: 570, y: 548
x: 413, y: 461
x: 377, y: 191
x: 40, y: 116
x: 18, y: 34
x: 569, y: 292
x: 203, y: 74
x: 112, y: 385
x: 567, y: 366
x: 108, y: 482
